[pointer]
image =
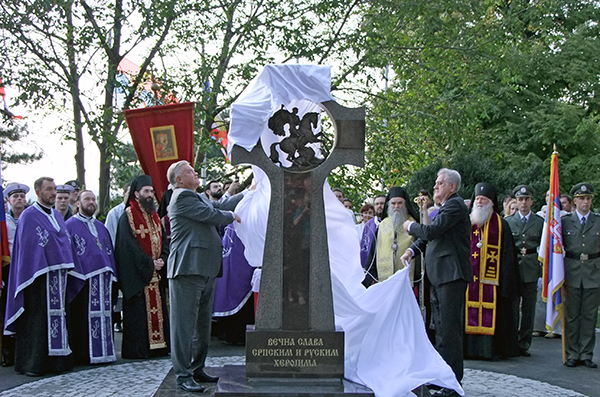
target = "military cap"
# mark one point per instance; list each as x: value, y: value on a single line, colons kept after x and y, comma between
x: 582, y: 189
x: 523, y: 191
x: 75, y: 184
x: 14, y: 187
x: 64, y: 189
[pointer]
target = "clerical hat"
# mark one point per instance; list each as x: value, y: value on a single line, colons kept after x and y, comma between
x: 397, y: 191
x: 485, y: 189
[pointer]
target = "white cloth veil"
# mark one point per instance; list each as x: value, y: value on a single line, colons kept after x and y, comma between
x: 386, y: 346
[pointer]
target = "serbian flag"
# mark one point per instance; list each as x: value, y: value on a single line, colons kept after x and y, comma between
x: 552, y: 252
x: 4, y: 253
x: 162, y: 135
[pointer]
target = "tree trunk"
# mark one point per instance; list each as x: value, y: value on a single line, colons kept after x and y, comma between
x: 75, y: 93
x: 104, y: 180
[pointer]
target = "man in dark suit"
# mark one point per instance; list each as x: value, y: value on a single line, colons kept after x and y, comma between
x: 581, y: 239
x: 447, y: 266
x: 194, y: 263
x: 526, y: 229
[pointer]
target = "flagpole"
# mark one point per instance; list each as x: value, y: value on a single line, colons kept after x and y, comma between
x: 562, y: 312
x: 552, y: 256
x: 562, y: 324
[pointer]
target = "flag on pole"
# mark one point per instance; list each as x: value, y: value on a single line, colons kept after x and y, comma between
x: 162, y: 135
x: 552, y: 251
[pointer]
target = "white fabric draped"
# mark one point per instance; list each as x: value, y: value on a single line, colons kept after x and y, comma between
x: 386, y: 346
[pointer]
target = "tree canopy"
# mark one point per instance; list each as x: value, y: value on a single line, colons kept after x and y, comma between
x: 484, y: 86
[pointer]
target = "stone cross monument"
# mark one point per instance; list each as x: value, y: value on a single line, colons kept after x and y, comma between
x: 295, y: 335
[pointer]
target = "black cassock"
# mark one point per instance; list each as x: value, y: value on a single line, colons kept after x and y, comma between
x: 134, y: 271
x: 504, y: 342
x: 31, y: 339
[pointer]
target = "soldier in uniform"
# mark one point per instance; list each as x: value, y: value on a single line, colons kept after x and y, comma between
x: 526, y: 229
x: 581, y: 239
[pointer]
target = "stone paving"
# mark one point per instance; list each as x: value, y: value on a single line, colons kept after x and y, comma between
x: 143, y: 378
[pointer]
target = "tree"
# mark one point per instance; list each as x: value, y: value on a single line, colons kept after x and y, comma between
x: 226, y: 47
x: 11, y: 132
x: 62, y: 54
x: 491, y: 82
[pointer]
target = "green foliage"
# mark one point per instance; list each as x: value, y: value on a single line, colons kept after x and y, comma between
x: 124, y: 166
x: 486, y: 88
x: 10, y: 133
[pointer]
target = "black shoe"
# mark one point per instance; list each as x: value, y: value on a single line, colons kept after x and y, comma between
x: 7, y: 362
x: 446, y: 393
x: 204, y: 377
x: 571, y: 362
x: 192, y: 386
x: 590, y: 364
x: 524, y: 352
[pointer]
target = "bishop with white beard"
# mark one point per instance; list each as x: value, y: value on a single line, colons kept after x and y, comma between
x: 492, y: 296
x: 391, y: 239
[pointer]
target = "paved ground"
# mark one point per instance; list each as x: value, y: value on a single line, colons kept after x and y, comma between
x: 541, y: 375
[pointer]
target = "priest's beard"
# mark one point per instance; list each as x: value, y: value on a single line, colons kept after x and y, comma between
x: 481, y: 213
x: 398, y: 216
x: 147, y: 204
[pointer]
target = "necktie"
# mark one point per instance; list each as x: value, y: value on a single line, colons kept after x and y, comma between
x: 524, y: 220
x: 583, y: 222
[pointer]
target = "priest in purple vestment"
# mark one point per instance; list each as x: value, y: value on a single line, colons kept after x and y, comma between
x: 368, y: 233
x: 233, y: 309
x: 89, y: 285
x: 36, y: 312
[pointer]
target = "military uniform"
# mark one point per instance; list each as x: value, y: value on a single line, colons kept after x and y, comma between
x: 527, y: 235
x: 582, y: 281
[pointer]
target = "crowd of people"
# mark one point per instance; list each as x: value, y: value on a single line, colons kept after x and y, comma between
x: 476, y: 271
x: 67, y: 269
x: 177, y: 268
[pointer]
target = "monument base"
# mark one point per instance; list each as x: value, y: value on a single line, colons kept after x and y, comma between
x: 233, y: 382
x: 294, y: 354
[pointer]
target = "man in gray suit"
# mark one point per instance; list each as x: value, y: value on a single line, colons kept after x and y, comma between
x: 447, y: 266
x: 526, y: 228
x: 581, y: 239
x: 194, y: 263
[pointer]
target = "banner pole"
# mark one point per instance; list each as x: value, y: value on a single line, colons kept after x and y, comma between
x: 562, y: 324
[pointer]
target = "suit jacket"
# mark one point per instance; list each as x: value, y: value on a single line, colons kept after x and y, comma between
x: 196, y: 247
x: 448, y: 240
x: 578, y: 241
x: 527, y: 236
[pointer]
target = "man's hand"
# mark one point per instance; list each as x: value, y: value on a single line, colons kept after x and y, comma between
x: 158, y: 264
x: 407, y: 257
x: 234, y: 188
x: 406, y: 226
x: 237, y: 218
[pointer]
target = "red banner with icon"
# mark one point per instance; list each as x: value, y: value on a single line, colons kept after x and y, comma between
x: 162, y: 135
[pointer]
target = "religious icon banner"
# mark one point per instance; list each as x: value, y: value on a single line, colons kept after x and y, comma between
x: 162, y: 135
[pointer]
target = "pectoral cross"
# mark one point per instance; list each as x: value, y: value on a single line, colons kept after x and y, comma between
x: 142, y: 231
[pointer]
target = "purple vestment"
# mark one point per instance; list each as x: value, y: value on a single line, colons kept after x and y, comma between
x: 366, y: 241
x: 94, y: 263
x: 232, y: 290
x: 40, y: 249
